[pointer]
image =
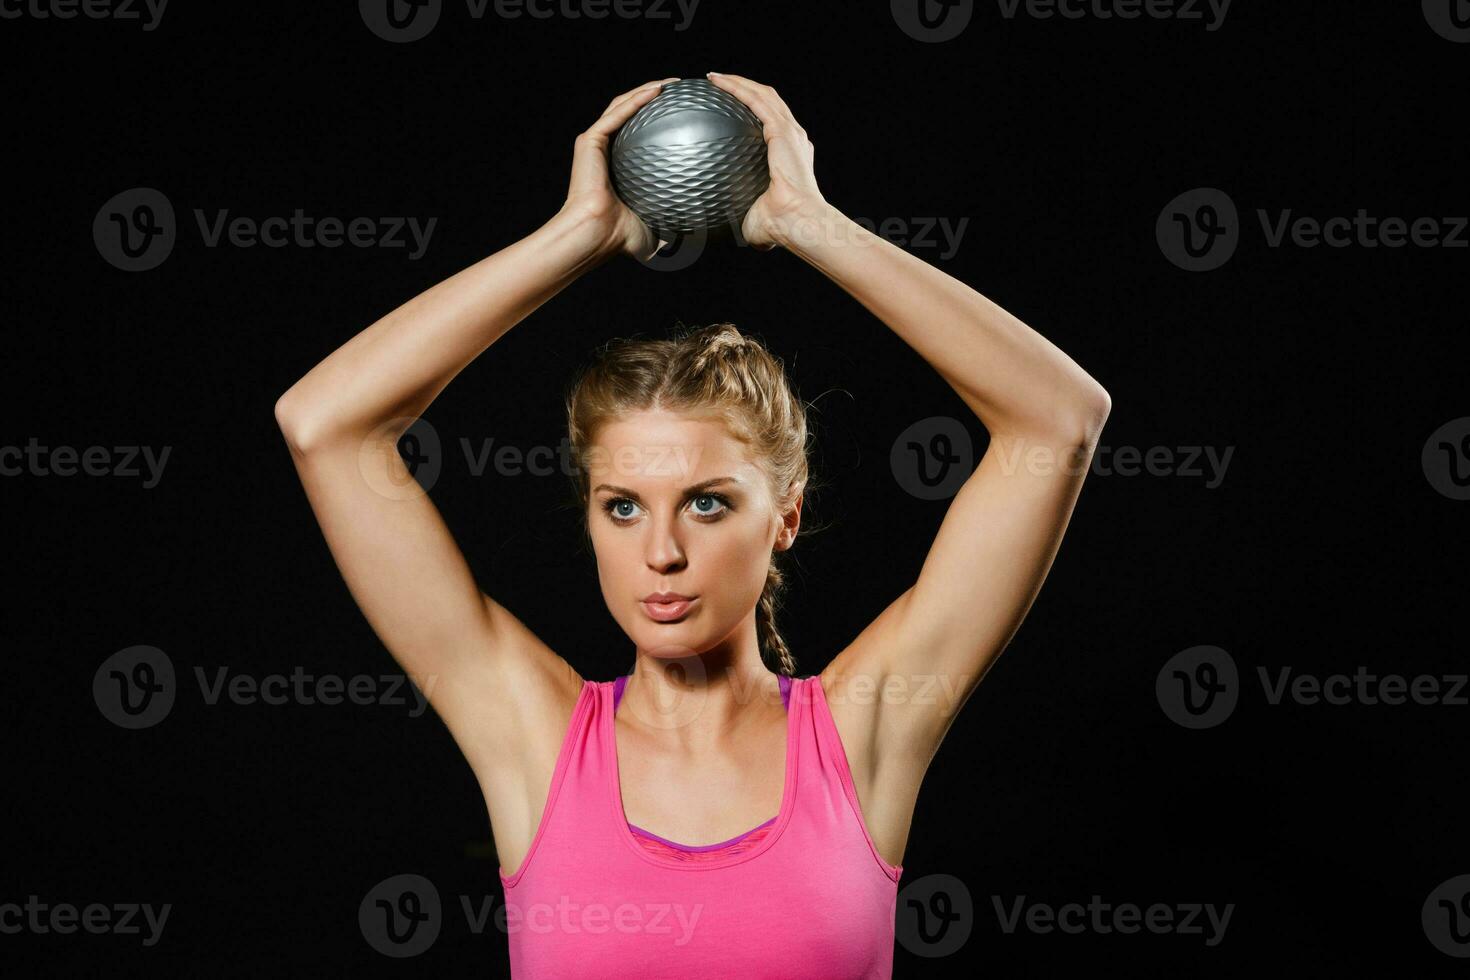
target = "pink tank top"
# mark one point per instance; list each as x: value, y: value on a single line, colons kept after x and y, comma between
x: 803, y: 896
x: 701, y: 853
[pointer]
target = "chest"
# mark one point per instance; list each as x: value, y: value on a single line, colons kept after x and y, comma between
x: 704, y: 801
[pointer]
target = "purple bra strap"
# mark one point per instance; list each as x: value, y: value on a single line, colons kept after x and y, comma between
x: 622, y: 682
x: 697, y: 848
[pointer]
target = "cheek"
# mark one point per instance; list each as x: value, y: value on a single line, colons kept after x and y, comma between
x: 613, y: 552
x: 735, y: 548
x: 739, y: 561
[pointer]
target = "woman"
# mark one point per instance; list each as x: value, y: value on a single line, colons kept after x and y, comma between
x: 642, y: 839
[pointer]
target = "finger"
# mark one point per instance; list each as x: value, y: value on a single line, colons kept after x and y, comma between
x: 763, y: 100
x: 621, y: 108
x: 589, y: 170
x: 638, y: 90
x: 775, y: 116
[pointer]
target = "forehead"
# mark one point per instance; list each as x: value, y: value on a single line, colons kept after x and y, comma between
x: 661, y: 446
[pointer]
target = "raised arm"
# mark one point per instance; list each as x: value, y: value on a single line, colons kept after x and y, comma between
x: 486, y: 675
x: 1002, y: 529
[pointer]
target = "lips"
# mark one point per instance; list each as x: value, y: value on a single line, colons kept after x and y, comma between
x: 666, y: 607
x: 665, y: 597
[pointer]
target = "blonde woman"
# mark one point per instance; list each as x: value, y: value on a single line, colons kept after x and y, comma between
x: 712, y: 813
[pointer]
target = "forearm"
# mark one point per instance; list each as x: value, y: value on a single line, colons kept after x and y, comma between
x: 396, y: 367
x: 1016, y: 381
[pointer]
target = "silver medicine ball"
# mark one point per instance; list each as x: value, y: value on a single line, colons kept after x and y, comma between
x: 693, y: 159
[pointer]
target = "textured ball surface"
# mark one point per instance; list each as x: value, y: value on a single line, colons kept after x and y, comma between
x: 692, y: 159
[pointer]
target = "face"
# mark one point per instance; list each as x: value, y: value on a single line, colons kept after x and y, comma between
x: 678, y: 506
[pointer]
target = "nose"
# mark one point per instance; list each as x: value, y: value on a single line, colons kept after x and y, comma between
x: 663, y: 551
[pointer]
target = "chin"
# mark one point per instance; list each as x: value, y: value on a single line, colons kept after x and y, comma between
x: 674, y: 641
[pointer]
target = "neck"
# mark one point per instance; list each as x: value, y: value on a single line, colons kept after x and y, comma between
x: 703, y: 697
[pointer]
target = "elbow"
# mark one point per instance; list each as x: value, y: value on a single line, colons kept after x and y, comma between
x: 1088, y: 416
x: 292, y: 420
x: 1101, y: 406
x: 311, y: 426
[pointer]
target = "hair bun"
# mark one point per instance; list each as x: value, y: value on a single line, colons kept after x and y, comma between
x: 719, y: 338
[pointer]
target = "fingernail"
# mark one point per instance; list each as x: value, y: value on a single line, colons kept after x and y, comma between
x: 712, y: 74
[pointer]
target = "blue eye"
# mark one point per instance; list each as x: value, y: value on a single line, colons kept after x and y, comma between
x: 707, y: 496
x: 612, y: 505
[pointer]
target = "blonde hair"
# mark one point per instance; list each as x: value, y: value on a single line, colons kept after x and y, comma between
x: 705, y: 371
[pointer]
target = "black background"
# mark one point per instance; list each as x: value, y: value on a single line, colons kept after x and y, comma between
x: 1324, y: 547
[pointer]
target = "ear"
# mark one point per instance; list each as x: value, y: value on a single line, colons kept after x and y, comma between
x: 790, y: 524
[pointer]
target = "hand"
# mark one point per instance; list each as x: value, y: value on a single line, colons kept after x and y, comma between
x: 793, y: 192
x: 590, y: 196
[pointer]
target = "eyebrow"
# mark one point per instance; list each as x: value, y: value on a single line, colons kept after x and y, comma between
x: 696, y: 488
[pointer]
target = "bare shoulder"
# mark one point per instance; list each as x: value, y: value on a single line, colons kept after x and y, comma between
x: 516, y: 710
x: 886, y: 774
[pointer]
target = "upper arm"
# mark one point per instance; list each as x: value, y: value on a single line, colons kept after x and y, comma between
x: 934, y: 643
x: 497, y: 687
